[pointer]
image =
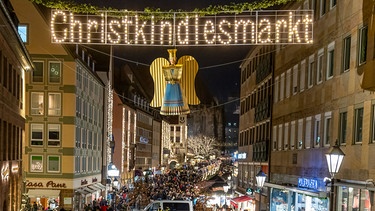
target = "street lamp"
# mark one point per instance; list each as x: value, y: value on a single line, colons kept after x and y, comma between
x: 334, y: 160
x: 261, y: 178
x: 115, y: 182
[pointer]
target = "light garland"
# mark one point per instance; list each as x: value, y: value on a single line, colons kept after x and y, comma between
x: 233, y: 8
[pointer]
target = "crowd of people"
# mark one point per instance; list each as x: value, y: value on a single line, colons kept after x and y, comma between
x: 174, y: 184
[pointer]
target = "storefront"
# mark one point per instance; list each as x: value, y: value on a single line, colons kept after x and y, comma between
x: 87, y: 194
x: 243, y: 203
x: 297, y: 199
x: 44, y: 198
x: 354, y: 196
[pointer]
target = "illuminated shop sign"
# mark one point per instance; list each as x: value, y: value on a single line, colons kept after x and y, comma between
x: 241, y: 156
x: 183, y: 29
x: 49, y: 184
x: 307, y: 183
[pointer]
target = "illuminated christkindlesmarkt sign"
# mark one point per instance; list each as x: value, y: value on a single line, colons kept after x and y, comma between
x: 125, y: 28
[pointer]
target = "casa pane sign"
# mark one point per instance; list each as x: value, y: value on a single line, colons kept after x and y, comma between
x: 183, y: 29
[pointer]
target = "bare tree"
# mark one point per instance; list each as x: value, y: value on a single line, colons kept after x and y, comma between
x: 202, y: 145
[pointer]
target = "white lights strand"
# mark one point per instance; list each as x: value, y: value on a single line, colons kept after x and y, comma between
x: 247, y: 28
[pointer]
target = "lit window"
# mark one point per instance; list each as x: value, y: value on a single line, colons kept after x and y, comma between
x: 37, y: 103
x: 54, y: 104
x: 37, y: 134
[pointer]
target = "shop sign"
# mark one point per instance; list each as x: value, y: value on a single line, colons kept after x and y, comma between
x: 242, y: 155
x: 308, y: 183
x: 49, y: 184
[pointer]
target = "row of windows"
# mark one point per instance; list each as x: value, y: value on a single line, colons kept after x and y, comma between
x: 10, y: 78
x: 317, y: 131
x: 254, y: 134
x: 143, y: 161
x: 257, y: 96
x: 88, y: 111
x: 52, y: 164
x: 321, y: 6
x: 10, y: 141
x: 251, y: 66
x: 144, y: 118
x: 84, y: 138
x: 87, y: 85
x: 88, y: 164
x: 37, y: 104
x: 54, y: 72
x: 38, y: 137
x: 38, y: 164
x: 303, y: 133
x: 303, y: 76
x: 88, y: 139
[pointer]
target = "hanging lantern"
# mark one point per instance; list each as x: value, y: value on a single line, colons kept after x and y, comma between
x: 174, y: 86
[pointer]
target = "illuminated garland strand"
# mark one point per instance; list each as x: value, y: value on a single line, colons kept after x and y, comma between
x: 232, y: 8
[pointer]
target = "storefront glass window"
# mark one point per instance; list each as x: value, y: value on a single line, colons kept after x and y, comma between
x: 354, y: 199
x: 279, y: 199
x: 282, y: 200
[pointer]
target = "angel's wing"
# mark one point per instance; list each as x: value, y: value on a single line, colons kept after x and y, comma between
x: 189, y: 72
x: 159, y: 81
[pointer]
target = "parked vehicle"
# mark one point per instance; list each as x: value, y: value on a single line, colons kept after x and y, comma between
x: 171, y: 205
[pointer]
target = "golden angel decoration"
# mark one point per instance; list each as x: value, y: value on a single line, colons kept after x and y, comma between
x: 174, y: 84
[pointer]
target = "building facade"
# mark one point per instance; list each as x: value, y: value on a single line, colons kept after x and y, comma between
x: 255, y: 119
x: 64, y: 120
x: 14, y: 64
x: 318, y: 102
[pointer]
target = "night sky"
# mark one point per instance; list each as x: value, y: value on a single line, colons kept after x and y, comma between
x: 219, y: 66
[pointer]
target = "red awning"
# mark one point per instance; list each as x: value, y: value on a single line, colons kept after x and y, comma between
x: 240, y: 199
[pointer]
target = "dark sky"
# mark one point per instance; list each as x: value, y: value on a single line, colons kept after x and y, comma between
x: 219, y: 66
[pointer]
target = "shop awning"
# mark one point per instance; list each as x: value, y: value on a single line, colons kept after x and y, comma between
x: 241, y: 199
x: 81, y: 191
x: 88, y: 189
x: 237, y: 200
x: 100, y: 186
x: 93, y: 187
x: 43, y: 193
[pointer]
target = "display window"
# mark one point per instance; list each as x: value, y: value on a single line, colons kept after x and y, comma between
x: 354, y: 199
x: 282, y: 199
